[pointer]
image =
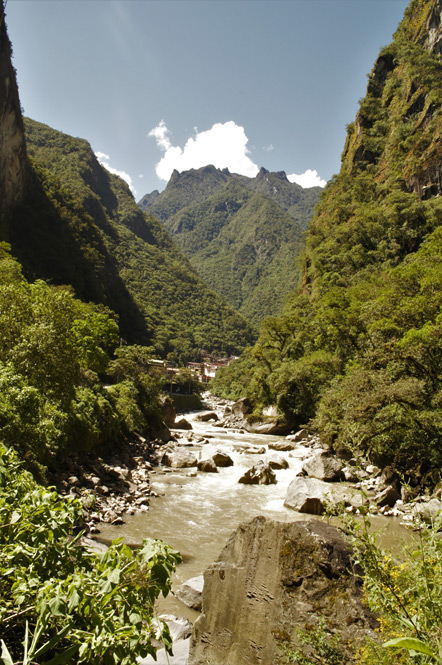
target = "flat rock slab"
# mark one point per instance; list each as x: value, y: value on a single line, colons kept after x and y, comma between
x: 191, y: 591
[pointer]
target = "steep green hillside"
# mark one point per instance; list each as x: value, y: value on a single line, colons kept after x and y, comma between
x: 241, y: 234
x: 79, y: 225
x: 358, y: 348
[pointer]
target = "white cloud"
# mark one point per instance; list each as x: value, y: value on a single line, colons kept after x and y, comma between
x: 310, y: 178
x: 224, y: 145
x: 269, y: 148
x: 104, y: 161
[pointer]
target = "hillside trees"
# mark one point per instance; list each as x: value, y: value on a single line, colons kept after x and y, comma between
x: 53, y: 348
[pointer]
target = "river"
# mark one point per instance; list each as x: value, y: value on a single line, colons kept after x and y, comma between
x: 196, y: 512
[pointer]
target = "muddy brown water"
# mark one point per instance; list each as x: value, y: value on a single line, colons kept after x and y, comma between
x: 196, y: 514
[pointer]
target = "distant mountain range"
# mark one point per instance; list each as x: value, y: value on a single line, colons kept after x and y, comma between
x: 243, y: 235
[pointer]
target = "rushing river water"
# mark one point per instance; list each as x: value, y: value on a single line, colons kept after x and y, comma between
x: 196, y: 512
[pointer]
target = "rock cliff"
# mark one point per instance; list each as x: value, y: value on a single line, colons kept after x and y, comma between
x: 271, y: 579
x: 12, y: 140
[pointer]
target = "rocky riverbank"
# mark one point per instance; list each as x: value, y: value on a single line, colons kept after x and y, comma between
x: 119, y: 484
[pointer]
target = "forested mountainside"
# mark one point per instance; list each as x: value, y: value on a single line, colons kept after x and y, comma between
x: 243, y: 235
x: 79, y: 225
x: 357, y: 351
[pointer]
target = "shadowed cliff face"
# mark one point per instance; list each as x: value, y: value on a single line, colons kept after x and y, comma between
x: 12, y: 140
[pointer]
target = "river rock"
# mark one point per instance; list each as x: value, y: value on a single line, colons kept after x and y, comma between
x: 281, y: 445
x: 182, y: 423
x: 206, y: 417
x: 324, y: 466
x: 272, y: 427
x: 191, y: 591
x: 428, y: 510
x: 179, y: 459
x: 168, y: 411
x: 276, y: 461
x: 306, y: 495
x: 301, y: 435
x: 256, y: 450
x: 259, y: 474
x: 272, y: 579
x: 207, y: 465
x: 242, y: 407
x: 387, y: 497
x: 180, y: 629
x: 222, y: 459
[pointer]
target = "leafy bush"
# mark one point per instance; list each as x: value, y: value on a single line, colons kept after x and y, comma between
x: 61, y: 602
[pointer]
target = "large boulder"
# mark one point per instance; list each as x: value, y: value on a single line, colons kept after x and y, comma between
x: 207, y: 465
x: 272, y: 579
x: 190, y: 592
x: 276, y: 461
x: 179, y: 459
x: 306, y: 495
x: 207, y: 417
x: 324, y: 466
x: 222, y: 459
x: 168, y: 411
x: 281, y: 445
x: 242, y: 407
x: 182, y: 423
x: 259, y: 474
x: 270, y: 427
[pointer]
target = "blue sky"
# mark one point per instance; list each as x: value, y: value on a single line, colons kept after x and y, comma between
x: 160, y: 84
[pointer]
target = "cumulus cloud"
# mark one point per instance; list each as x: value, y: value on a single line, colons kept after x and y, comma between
x: 310, y: 178
x: 104, y: 161
x: 224, y: 146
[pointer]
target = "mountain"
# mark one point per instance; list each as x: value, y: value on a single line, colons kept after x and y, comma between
x: 357, y: 351
x: 80, y: 225
x: 243, y: 235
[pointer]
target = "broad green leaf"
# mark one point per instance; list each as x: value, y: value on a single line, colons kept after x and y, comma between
x: 411, y: 643
x: 6, y: 656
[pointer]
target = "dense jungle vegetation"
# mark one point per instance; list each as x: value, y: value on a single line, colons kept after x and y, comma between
x: 80, y: 225
x: 243, y: 235
x: 357, y: 351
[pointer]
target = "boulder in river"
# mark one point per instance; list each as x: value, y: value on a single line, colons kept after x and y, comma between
x: 324, y: 466
x: 281, y: 445
x: 306, y: 495
x: 301, y: 435
x: 179, y: 459
x: 207, y: 417
x: 182, y: 423
x: 222, y: 459
x: 271, y: 427
x: 207, y: 465
x: 271, y: 579
x: 259, y: 474
x: 276, y: 461
x: 191, y: 591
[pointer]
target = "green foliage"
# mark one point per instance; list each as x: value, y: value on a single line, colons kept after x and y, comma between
x: 52, y: 348
x: 318, y: 647
x: 63, y: 603
x: 404, y: 593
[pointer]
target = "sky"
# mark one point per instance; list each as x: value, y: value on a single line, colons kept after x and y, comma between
x: 157, y: 85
